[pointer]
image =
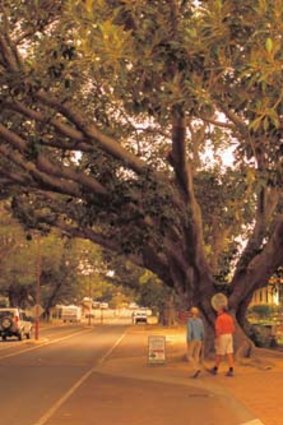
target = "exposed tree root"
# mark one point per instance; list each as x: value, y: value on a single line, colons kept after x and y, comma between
x: 249, y: 355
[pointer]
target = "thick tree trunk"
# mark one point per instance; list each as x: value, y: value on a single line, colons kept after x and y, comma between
x: 244, y: 347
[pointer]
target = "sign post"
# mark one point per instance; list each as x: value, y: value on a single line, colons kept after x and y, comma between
x: 156, y: 349
x: 37, y: 289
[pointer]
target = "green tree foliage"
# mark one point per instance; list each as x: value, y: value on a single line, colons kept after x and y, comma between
x: 138, y: 284
x: 262, y: 311
x: 107, y: 110
x: 56, y: 259
x: 17, y: 266
x: 59, y: 260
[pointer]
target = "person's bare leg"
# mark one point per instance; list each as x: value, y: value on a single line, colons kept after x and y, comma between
x: 230, y: 360
x: 217, y: 360
x: 214, y: 370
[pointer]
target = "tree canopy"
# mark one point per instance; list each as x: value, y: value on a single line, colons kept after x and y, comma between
x: 107, y: 110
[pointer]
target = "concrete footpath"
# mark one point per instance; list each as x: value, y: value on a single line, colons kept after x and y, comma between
x: 253, y: 396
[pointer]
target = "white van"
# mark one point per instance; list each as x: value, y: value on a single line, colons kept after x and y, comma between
x: 71, y: 313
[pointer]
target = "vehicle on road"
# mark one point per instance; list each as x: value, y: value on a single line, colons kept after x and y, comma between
x: 14, y: 322
x: 139, y: 316
x: 133, y: 306
x: 71, y: 313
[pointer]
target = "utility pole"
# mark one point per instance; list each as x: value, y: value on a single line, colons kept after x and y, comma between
x: 90, y: 300
x: 37, y: 289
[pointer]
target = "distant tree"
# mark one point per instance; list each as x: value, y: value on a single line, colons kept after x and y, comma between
x: 22, y: 254
x: 59, y: 262
x: 107, y: 109
x: 17, y: 273
x: 146, y: 288
x: 11, y: 234
x: 65, y: 275
x: 262, y: 311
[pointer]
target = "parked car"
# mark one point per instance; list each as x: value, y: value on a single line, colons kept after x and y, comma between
x: 139, y: 316
x: 14, y: 322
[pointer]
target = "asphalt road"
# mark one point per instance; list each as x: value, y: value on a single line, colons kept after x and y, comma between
x: 69, y: 379
x: 34, y: 377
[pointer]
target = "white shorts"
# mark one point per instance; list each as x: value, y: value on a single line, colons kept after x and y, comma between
x: 224, y: 344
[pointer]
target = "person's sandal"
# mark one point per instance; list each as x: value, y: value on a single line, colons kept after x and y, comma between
x: 212, y: 371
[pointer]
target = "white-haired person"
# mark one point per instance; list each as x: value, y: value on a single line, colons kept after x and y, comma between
x: 195, y: 338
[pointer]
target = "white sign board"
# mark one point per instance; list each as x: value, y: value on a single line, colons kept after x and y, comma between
x: 156, y: 349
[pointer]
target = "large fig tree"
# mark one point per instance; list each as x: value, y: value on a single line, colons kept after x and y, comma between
x: 114, y: 116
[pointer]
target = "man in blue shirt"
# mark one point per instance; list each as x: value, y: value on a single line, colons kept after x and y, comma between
x: 195, y: 337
